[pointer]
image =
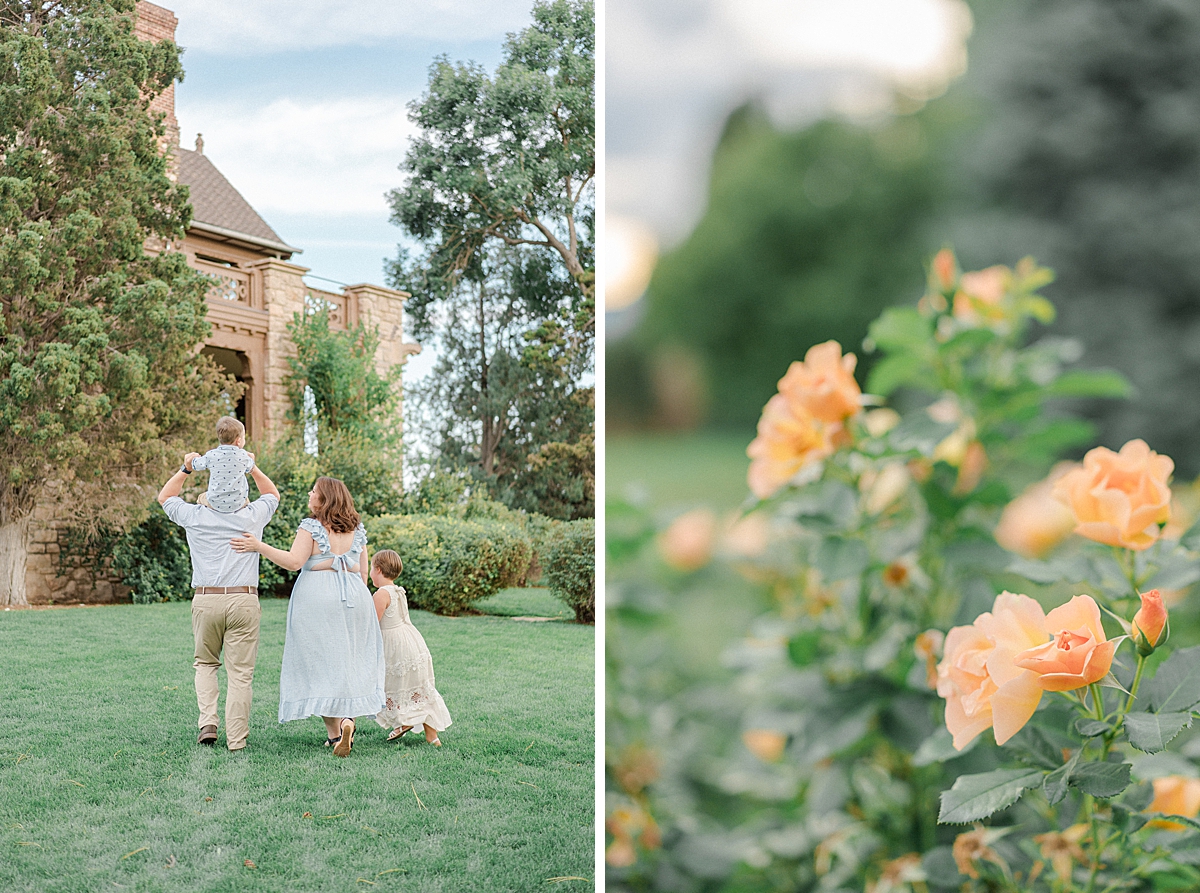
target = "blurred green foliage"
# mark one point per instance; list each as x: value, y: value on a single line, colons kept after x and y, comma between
x: 807, y: 236
x: 1074, y: 136
x: 771, y: 720
x: 1087, y: 154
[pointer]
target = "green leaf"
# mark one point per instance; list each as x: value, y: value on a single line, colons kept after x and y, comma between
x: 1090, y: 383
x: 1182, y: 819
x: 920, y: 433
x: 939, y: 747
x: 804, y: 648
x: 1137, y: 797
x: 1055, y: 784
x: 1037, y: 307
x: 1185, y: 849
x: 891, y: 372
x: 1101, y: 779
x: 975, y: 797
x: 901, y: 327
x: 1034, y: 744
x: 1176, y: 685
x: 1090, y: 728
x: 1151, y: 732
x: 840, y: 559
x: 1126, y: 820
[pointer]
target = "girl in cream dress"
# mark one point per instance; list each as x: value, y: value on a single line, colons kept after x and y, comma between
x: 412, y: 699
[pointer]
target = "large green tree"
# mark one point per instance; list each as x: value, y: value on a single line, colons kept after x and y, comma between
x: 507, y: 395
x: 98, y: 372
x: 500, y: 197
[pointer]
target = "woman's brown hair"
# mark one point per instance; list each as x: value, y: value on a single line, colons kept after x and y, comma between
x: 335, y: 507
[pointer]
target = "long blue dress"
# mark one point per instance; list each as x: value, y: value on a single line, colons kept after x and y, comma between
x: 333, y: 651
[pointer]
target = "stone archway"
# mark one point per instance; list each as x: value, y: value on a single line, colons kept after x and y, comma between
x: 237, y: 364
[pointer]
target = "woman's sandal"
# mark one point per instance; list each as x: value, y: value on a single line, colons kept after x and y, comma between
x: 346, y: 742
x: 397, y: 734
x: 436, y: 742
x: 329, y: 742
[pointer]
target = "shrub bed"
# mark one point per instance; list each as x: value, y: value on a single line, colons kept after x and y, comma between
x: 152, y: 560
x: 570, y: 569
x: 451, y: 562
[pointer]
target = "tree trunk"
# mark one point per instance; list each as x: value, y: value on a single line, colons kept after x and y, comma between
x: 14, y: 547
x: 487, y: 446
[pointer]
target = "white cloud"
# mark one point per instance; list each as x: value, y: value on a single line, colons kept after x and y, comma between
x: 676, y: 68
x: 908, y: 40
x: 232, y: 26
x: 334, y: 157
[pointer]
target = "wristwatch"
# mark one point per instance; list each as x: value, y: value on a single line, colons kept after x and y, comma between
x: 184, y: 468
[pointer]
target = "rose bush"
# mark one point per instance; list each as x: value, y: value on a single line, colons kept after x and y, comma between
x: 917, y: 583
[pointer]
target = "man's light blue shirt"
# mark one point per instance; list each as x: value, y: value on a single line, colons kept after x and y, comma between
x: 214, y: 563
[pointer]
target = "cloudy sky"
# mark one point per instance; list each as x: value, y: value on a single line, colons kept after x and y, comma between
x: 302, y: 104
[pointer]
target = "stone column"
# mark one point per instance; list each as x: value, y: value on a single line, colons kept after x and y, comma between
x: 383, y: 308
x: 154, y: 23
x: 283, y: 293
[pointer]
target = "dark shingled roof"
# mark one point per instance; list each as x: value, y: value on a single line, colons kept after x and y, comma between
x: 216, y: 202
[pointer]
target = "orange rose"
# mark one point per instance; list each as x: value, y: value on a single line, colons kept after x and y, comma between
x: 766, y: 744
x: 1035, y: 522
x: 788, y: 439
x: 943, y: 270
x: 824, y: 383
x: 687, y: 544
x: 1150, y: 620
x: 982, y: 686
x: 1175, y: 795
x: 1078, y: 652
x: 1120, y: 499
x: 980, y: 297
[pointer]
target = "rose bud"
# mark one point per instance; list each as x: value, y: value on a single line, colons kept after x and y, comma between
x: 1149, y: 622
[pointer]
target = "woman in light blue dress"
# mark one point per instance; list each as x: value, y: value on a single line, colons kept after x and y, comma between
x: 333, y: 664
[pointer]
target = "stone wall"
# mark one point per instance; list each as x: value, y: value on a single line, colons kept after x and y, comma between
x: 47, y: 580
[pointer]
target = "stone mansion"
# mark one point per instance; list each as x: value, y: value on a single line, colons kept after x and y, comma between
x: 259, y: 289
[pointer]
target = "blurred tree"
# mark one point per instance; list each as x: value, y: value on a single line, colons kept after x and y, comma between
x: 807, y: 236
x: 1088, y: 156
x: 99, y: 378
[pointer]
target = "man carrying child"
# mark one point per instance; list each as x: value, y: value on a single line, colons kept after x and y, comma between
x: 225, y: 609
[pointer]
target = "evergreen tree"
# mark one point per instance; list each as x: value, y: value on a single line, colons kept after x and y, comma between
x: 1088, y: 157
x: 98, y: 373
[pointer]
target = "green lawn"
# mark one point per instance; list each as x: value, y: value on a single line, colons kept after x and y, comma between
x: 666, y: 471
x: 102, y: 786
x: 525, y: 603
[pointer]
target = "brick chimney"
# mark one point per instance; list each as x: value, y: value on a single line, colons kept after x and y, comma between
x: 154, y: 24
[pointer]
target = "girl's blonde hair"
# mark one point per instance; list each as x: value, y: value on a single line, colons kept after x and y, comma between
x: 335, y: 507
x: 388, y: 563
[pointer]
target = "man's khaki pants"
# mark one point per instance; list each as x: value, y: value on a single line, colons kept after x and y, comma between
x: 226, y: 622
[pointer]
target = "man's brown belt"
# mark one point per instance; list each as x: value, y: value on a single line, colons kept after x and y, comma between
x: 226, y: 590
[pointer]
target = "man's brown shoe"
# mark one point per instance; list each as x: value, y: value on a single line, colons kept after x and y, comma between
x: 208, y: 735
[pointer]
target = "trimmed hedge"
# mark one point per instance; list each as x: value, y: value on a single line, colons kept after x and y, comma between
x: 570, y: 568
x: 451, y: 562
